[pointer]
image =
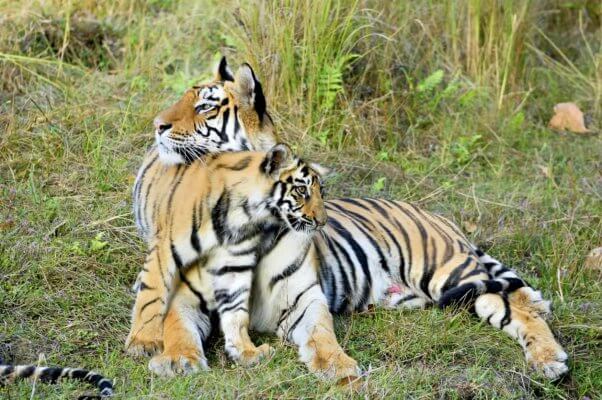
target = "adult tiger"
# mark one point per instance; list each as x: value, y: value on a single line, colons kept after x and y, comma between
x: 222, y: 115
x: 394, y: 254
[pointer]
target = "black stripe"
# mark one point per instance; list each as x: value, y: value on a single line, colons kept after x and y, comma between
x: 454, y: 276
x: 402, y: 267
x: 222, y: 133
x: 290, y: 270
x: 233, y: 307
x: 354, y: 202
x: 236, y: 122
x: 223, y: 297
x: 138, y: 211
x: 507, y: 312
x: 148, y: 303
x: 27, y: 371
x: 361, y: 257
x: 340, y: 307
x: 286, y: 312
x: 424, y: 237
x: 294, y: 325
x: 326, y: 276
x: 228, y: 269
x: 344, y: 210
x: 181, y: 171
x: 50, y: 374
x: 194, y: 234
x: 218, y: 216
x: 199, y: 295
x: 429, y: 271
x: 404, y: 299
x: 239, y: 166
x: 176, y: 257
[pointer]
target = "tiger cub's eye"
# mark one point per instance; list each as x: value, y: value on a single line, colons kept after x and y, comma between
x: 301, y: 190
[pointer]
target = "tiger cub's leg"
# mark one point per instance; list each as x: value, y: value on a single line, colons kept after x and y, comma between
x: 231, y: 277
x: 306, y: 321
x: 309, y: 325
x: 185, y: 328
x: 516, y: 315
x: 154, y: 284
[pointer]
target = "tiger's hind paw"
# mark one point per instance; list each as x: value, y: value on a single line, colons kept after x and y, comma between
x: 549, y: 360
x: 171, y: 365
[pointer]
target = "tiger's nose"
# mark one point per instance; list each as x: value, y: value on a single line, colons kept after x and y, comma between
x: 161, y: 126
x: 320, y: 219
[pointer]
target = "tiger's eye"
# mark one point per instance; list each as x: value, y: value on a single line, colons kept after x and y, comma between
x: 301, y: 190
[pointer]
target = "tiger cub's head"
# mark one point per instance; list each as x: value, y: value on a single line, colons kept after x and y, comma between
x: 296, y: 194
x: 227, y: 114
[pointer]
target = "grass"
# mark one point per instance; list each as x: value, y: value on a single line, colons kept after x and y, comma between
x: 442, y: 103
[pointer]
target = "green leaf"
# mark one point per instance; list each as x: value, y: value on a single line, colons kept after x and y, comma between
x: 430, y: 82
x: 379, y: 185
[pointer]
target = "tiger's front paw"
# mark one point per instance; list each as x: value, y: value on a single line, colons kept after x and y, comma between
x: 169, y: 365
x: 145, y: 341
x: 335, y: 365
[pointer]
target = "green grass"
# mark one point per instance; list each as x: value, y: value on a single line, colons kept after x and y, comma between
x: 442, y: 103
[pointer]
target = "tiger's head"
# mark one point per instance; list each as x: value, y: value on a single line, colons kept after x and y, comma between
x: 227, y: 114
x: 296, y: 193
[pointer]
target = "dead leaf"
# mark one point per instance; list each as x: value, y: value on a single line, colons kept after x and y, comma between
x: 568, y: 117
x: 593, y: 261
x: 469, y: 227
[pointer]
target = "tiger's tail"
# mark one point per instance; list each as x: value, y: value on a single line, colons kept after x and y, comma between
x: 9, y: 373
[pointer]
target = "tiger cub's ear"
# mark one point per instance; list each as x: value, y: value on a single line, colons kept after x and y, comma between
x: 249, y: 90
x: 321, y: 170
x: 223, y: 71
x: 278, y: 158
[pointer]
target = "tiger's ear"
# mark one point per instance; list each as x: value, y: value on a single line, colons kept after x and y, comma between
x: 321, y: 170
x: 279, y: 157
x: 249, y: 89
x: 223, y: 71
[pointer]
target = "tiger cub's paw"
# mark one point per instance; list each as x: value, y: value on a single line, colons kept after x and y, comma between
x: 336, y: 366
x: 251, y: 355
x: 169, y: 365
x: 548, y: 359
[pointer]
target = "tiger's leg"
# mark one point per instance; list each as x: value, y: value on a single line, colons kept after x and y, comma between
x: 307, y: 322
x: 231, y: 277
x: 186, y: 327
x: 515, y: 315
x: 155, y: 284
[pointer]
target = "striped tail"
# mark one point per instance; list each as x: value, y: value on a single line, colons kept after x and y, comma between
x: 9, y: 373
x: 466, y: 294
